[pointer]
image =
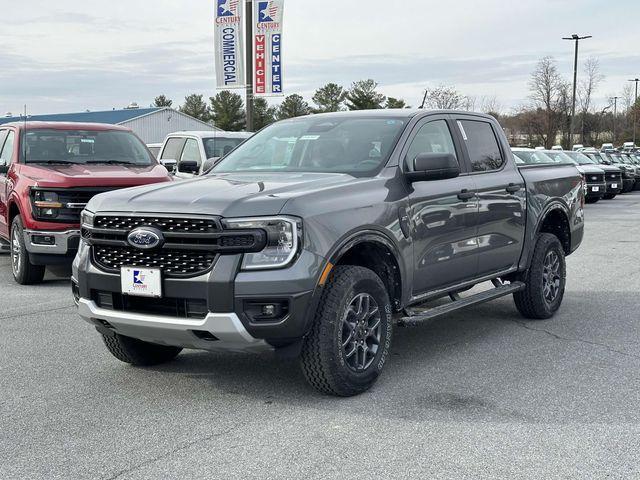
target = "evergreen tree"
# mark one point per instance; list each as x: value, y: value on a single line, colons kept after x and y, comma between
x: 195, y: 106
x: 263, y: 114
x: 396, y: 103
x: 227, y: 111
x: 329, y: 98
x: 162, y: 101
x: 293, y: 106
x: 363, y: 96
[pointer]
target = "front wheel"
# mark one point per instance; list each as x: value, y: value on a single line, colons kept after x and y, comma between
x: 349, y: 342
x: 24, y: 272
x: 544, y: 281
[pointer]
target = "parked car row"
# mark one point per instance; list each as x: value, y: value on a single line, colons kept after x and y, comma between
x: 605, y: 175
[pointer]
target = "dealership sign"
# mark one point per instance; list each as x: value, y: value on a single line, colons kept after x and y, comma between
x: 229, y: 43
x: 267, y: 47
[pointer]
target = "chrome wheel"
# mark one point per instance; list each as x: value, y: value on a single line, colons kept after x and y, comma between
x: 16, y: 252
x: 361, y: 332
x: 551, y: 279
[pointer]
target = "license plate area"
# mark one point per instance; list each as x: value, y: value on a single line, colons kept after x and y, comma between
x: 595, y: 189
x: 141, y: 282
x: 614, y: 185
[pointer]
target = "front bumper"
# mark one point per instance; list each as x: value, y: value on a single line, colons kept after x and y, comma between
x: 595, y: 190
x: 51, y: 243
x: 611, y: 189
x: 225, y: 330
x: 224, y: 292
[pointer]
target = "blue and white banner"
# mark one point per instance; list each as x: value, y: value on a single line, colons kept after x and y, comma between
x: 229, y: 44
x: 267, y: 47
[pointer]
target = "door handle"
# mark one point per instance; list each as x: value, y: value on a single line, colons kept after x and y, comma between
x: 465, y: 195
x: 513, y: 188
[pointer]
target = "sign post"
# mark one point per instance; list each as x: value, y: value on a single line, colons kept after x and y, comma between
x: 249, y: 63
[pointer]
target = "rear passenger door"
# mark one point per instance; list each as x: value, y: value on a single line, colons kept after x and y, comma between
x: 501, y: 195
x: 443, y: 213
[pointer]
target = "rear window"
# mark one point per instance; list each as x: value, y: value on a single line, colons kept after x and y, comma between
x: 219, y: 147
x: 84, y: 147
x: 482, y: 145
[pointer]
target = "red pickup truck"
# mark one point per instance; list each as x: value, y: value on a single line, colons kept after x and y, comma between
x: 48, y: 173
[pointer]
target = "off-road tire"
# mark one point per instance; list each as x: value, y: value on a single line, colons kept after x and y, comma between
x: 610, y: 196
x: 323, y: 360
x: 24, y: 272
x: 139, y: 353
x: 531, y: 301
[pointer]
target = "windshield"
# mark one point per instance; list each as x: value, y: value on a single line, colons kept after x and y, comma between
x: 220, y: 146
x: 532, y: 157
x: 358, y: 146
x: 560, y: 157
x: 581, y: 158
x: 84, y: 147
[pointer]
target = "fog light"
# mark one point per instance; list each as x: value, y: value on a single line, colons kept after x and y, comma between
x: 268, y: 310
x: 43, y: 240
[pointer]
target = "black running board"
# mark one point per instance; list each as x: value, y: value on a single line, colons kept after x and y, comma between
x: 5, y: 246
x: 458, y: 303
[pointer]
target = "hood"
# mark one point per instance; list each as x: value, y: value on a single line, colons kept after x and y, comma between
x: 589, y: 169
x: 67, y: 176
x: 228, y: 195
x: 608, y: 168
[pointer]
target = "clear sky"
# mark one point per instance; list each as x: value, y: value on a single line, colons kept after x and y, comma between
x: 72, y: 55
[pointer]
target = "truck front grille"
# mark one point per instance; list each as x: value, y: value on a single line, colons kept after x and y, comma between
x: 614, y: 177
x: 595, y: 178
x: 171, y: 262
x: 189, y: 247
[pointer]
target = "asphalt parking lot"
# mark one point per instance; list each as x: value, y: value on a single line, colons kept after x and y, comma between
x: 480, y: 394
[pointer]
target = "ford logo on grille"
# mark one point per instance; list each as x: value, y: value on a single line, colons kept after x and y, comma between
x: 145, y: 238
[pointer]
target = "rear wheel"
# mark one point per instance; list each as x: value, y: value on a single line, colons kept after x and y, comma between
x: 349, y: 341
x: 24, y: 272
x: 139, y: 353
x: 544, y: 281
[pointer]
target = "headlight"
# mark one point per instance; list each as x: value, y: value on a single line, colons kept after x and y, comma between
x: 86, y: 218
x: 46, y: 205
x: 284, y: 238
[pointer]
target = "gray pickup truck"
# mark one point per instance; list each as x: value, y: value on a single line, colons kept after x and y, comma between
x: 320, y: 234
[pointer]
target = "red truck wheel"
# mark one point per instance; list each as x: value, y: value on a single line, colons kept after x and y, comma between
x: 24, y: 272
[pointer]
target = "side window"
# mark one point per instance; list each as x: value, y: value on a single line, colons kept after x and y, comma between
x: 433, y: 137
x: 482, y: 145
x: 172, y: 149
x: 191, y: 152
x: 7, y: 150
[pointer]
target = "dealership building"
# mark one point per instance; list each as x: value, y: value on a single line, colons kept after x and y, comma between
x: 152, y: 125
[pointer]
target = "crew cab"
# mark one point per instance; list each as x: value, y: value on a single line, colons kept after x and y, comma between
x: 320, y: 234
x: 48, y: 173
x: 193, y: 153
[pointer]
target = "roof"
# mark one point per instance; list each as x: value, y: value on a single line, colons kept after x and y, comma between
x: 66, y: 126
x: 113, y: 117
x: 211, y: 134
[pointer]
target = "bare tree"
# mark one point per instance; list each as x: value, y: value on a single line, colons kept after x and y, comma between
x: 546, y: 87
x: 628, y: 97
x: 490, y: 105
x: 590, y: 83
x: 445, y: 98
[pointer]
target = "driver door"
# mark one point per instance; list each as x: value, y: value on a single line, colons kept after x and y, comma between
x: 443, y: 213
x: 7, y: 144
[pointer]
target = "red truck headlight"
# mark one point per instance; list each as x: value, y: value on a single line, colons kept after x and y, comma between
x: 46, y: 205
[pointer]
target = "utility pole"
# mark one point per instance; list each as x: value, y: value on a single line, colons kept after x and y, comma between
x: 576, y: 38
x: 615, y: 115
x: 249, y: 62
x: 635, y: 110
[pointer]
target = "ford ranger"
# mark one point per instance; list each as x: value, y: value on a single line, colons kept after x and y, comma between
x: 319, y: 234
x: 48, y: 173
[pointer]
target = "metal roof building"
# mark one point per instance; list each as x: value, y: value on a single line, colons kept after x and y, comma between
x: 152, y: 125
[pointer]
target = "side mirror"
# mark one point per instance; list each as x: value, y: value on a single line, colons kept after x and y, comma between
x: 434, y: 166
x: 169, y: 164
x: 4, y: 168
x: 189, y: 166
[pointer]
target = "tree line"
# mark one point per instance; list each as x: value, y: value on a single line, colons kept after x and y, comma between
x: 226, y: 110
x: 543, y: 120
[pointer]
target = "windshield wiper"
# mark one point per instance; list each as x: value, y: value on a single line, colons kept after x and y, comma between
x: 112, y: 162
x: 54, y: 162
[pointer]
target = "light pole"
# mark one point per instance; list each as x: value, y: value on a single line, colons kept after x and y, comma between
x: 576, y: 38
x: 635, y: 110
x: 615, y: 114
